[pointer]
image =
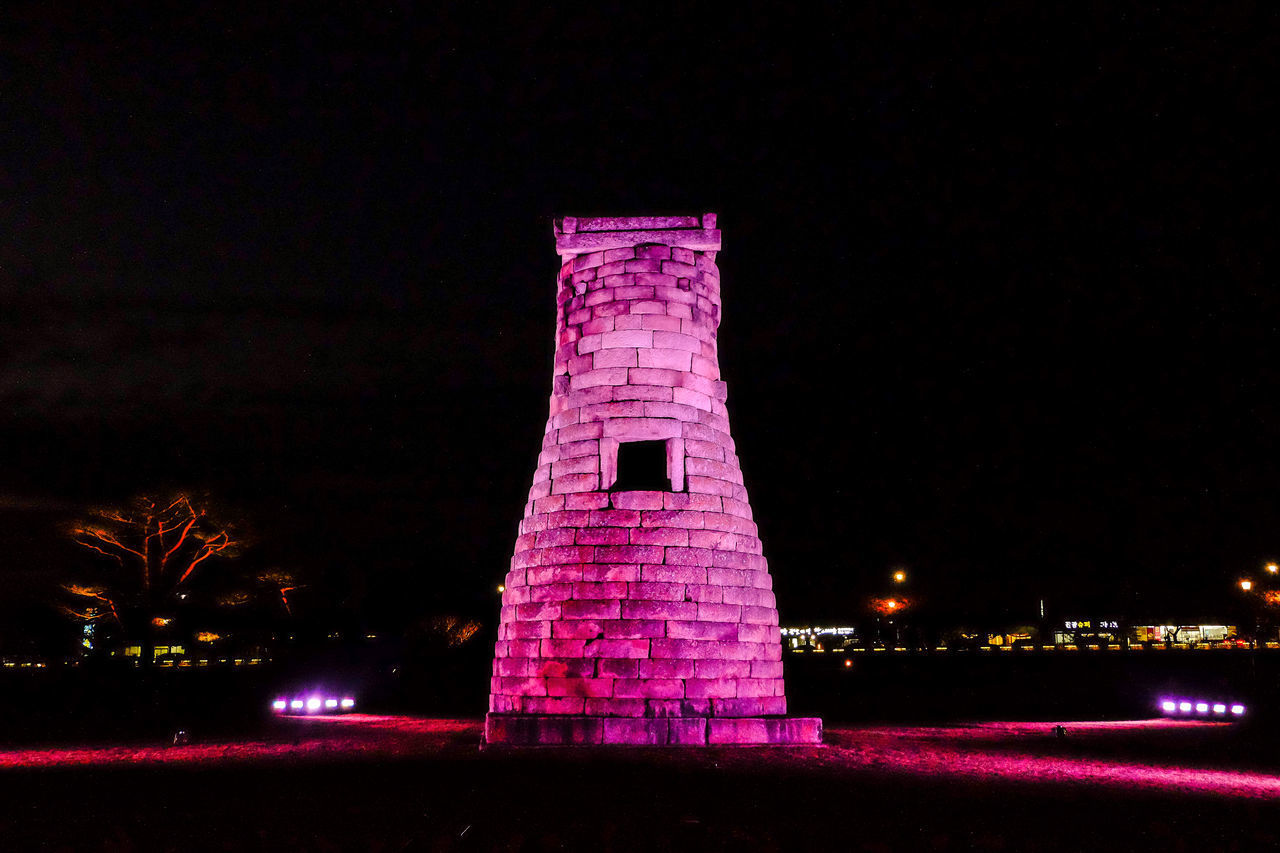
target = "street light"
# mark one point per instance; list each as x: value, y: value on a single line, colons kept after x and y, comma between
x: 899, y: 576
x: 1273, y: 568
x: 1246, y: 585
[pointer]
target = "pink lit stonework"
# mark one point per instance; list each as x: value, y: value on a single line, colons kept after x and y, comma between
x: 645, y: 616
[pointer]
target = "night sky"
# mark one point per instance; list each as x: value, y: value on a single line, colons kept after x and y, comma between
x: 997, y: 299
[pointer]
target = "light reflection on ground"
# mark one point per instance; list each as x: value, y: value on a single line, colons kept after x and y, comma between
x: 1138, y: 755
x: 1028, y: 753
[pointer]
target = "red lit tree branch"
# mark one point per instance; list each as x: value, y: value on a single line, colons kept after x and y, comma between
x: 145, y: 555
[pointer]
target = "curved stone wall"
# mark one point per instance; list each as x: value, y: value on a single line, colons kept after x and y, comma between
x: 635, y: 605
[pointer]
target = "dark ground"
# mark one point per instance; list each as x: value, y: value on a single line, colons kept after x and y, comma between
x: 407, y: 783
x: 377, y: 784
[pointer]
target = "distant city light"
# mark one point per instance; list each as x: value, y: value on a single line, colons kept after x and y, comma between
x: 891, y: 604
x: 899, y: 576
x: 1273, y: 568
x: 848, y: 663
x: 1246, y: 585
x: 501, y: 588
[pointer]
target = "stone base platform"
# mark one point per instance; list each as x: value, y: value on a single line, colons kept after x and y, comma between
x: 533, y: 730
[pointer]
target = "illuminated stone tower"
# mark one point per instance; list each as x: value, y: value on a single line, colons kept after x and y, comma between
x: 639, y: 608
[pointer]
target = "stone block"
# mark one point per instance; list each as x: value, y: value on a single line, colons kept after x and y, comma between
x: 538, y: 610
x: 740, y: 707
x: 666, y: 668
x: 637, y: 292
x: 667, y: 536
x: 618, y: 648
x: 703, y: 630
x: 711, y: 668
x: 671, y: 340
x: 596, y: 688
x: 621, y: 357
x: 635, y: 732
x: 716, y: 540
x: 689, y: 398
x: 616, y: 707
x: 652, y: 393
x: 675, y: 518
x: 628, y: 321
x: 654, y: 591
x: 577, y: 629
x: 562, y: 667
x: 568, y: 554
x: 710, y: 688
x: 677, y: 361
x: 632, y: 629
x: 557, y: 574
x: 552, y: 705
x: 637, y: 500
x: 599, y: 591
x: 571, y: 483
x: 551, y: 592
x: 749, y: 633
x: 586, y: 500
x: 766, y: 669
x: 592, y: 609
x: 676, y: 609
x: 600, y: 572
x: 704, y: 593
x: 629, y: 554
x: 628, y: 338
x: 603, y: 536
x: 686, y: 501
x: 727, y: 577
x: 712, y: 612
x: 554, y: 537
x: 648, y: 688
x: 618, y: 667
x: 722, y: 731
x: 562, y: 648
x: 673, y: 574
x: 521, y: 686
x: 690, y: 557
x: 707, y: 485
x: 661, y: 323
x: 687, y: 731
x: 758, y: 687
x: 528, y: 630
x: 615, y: 518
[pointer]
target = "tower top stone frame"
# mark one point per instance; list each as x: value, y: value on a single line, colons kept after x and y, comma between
x: 638, y: 608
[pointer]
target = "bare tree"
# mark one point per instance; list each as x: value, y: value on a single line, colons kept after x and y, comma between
x: 148, y: 554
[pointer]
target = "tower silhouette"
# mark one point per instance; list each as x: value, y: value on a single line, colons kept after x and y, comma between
x: 639, y: 607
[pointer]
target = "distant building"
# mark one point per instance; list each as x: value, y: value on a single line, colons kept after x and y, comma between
x: 818, y: 639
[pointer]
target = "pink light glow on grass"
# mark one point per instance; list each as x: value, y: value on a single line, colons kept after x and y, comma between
x: 1113, y: 755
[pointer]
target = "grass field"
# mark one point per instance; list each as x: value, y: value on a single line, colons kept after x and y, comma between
x: 398, y: 783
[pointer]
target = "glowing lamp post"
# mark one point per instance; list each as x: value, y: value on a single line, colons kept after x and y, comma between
x: 1273, y: 568
x: 1246, y: 585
